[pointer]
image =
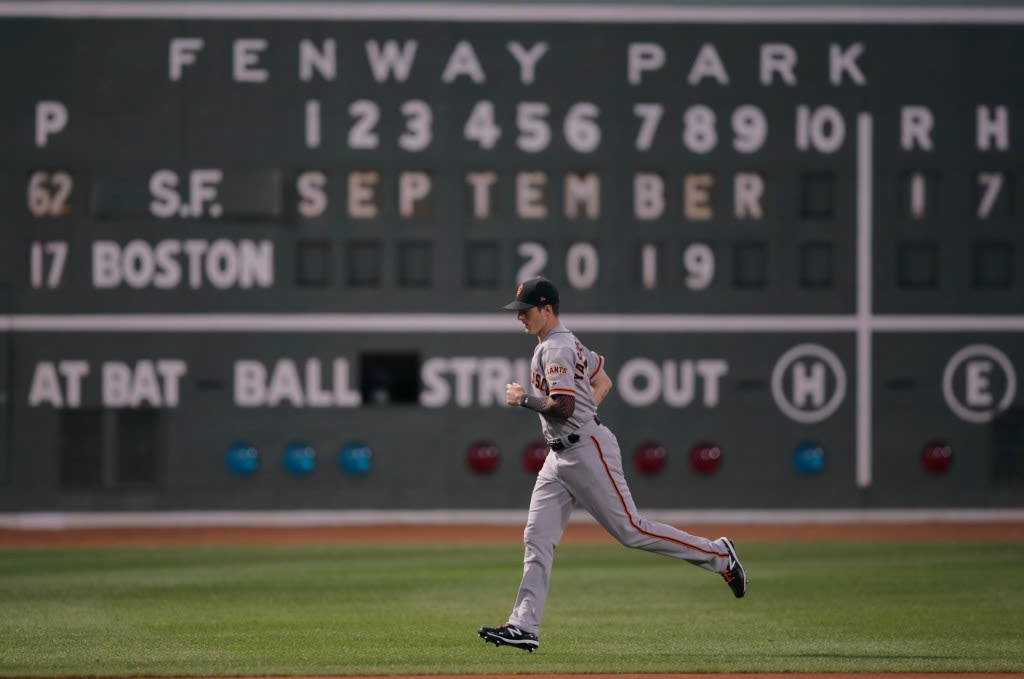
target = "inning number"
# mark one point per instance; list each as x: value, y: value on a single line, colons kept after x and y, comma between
x: 580, y: 127
x: 48, y: 194
x: 416, y: 136
x: 700, y: 127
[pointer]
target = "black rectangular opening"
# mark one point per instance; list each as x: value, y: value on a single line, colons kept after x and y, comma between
x: 110, y: 450
x: 415, y: 264
x: 364, y: 264
x: 992, y: 265
x: 389, y: 378
x: 482, y: 265
x: 817, y: 266
x: 917, y: 266
x: 817, y: 195
x: 750, y: 265
x: 80, y: 464
x: 312, y: 263
x: 5, y: 400
x: 138, y: 448
x: 1008, y: 447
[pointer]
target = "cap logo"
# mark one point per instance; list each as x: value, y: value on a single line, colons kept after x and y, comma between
x: 543, y: 298
x: 519, y: 290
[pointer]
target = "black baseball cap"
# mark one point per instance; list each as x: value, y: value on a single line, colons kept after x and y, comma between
x: 536, y: 291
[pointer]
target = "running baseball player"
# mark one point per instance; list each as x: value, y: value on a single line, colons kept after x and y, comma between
x: 583, y: 467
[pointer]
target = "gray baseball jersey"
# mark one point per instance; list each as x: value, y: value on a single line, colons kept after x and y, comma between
x: 562, y: 365
x: 586, y: 473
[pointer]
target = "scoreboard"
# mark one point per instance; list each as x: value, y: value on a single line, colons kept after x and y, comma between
x: 795, y: 233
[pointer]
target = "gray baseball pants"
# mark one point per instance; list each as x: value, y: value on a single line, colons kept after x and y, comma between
x: 589, y: 475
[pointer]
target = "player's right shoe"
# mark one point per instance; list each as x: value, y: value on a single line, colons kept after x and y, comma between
x: 734, y: 574
x: 509, y: 635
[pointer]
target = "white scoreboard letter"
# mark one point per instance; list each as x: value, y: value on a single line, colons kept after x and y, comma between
x: 697, y: 190
x: 778, y: 58
x: 583, y: 190
x: 463, y: 61
x: 412, y: 188
x: 993, y: 127
x: 246, y: 57
x: 648, y: 196
x: 312, y: 124
x: 46, y: 385
x: 527, y: 59
x: 916, y: 124
x: 182, y: 52
x: 106, y: 264
x: 250, y: 383
x: 51, y: 118
x: 644, y: 56
x: 362, y: 188
x: 708, y: 64
x: 312, y: 189
x: 324, y: 62
x: 530, y: 195
x: 845, y: 61
x: 481, y: 183
x: 748, y: 188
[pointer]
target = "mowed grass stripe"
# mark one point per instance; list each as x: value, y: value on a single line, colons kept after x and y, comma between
x: 335, y: 610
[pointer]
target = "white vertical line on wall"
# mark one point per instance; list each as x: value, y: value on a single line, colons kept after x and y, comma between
x: 865, y: 198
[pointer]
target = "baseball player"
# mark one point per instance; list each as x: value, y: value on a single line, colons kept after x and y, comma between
x: 583, y: 467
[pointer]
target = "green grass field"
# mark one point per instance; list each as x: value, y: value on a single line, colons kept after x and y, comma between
x: 320, y: 610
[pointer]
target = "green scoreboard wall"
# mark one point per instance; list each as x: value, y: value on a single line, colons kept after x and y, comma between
x: 254, y: 255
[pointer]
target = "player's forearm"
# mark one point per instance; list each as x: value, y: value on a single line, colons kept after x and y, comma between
x: 600, y: 387
x: 559, y: 405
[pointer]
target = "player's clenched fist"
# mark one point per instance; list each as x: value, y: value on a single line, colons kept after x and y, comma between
x: 514, y: 393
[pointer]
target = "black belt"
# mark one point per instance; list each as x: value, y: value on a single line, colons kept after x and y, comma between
x: 561, y: 444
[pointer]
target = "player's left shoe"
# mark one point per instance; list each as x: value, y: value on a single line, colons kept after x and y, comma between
x: 734, y: 574
x: 510, y: 635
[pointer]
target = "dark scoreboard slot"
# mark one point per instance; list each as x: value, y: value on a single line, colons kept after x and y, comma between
x: 817, y: 265
x: 992, y: 265
x: 917, y: 265
x: 208, y: 194
x: 121, y: 197
x: 750, y: 265
x: 312, y: 263
x: 255, y: 195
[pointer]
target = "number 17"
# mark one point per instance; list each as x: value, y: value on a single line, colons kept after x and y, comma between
x: 41, y: 275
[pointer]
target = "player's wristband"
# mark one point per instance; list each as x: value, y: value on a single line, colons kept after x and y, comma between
x: 532, y: 402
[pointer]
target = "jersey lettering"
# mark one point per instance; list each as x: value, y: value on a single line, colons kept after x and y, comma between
x: 561, y: 365
x: 580, y: 370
